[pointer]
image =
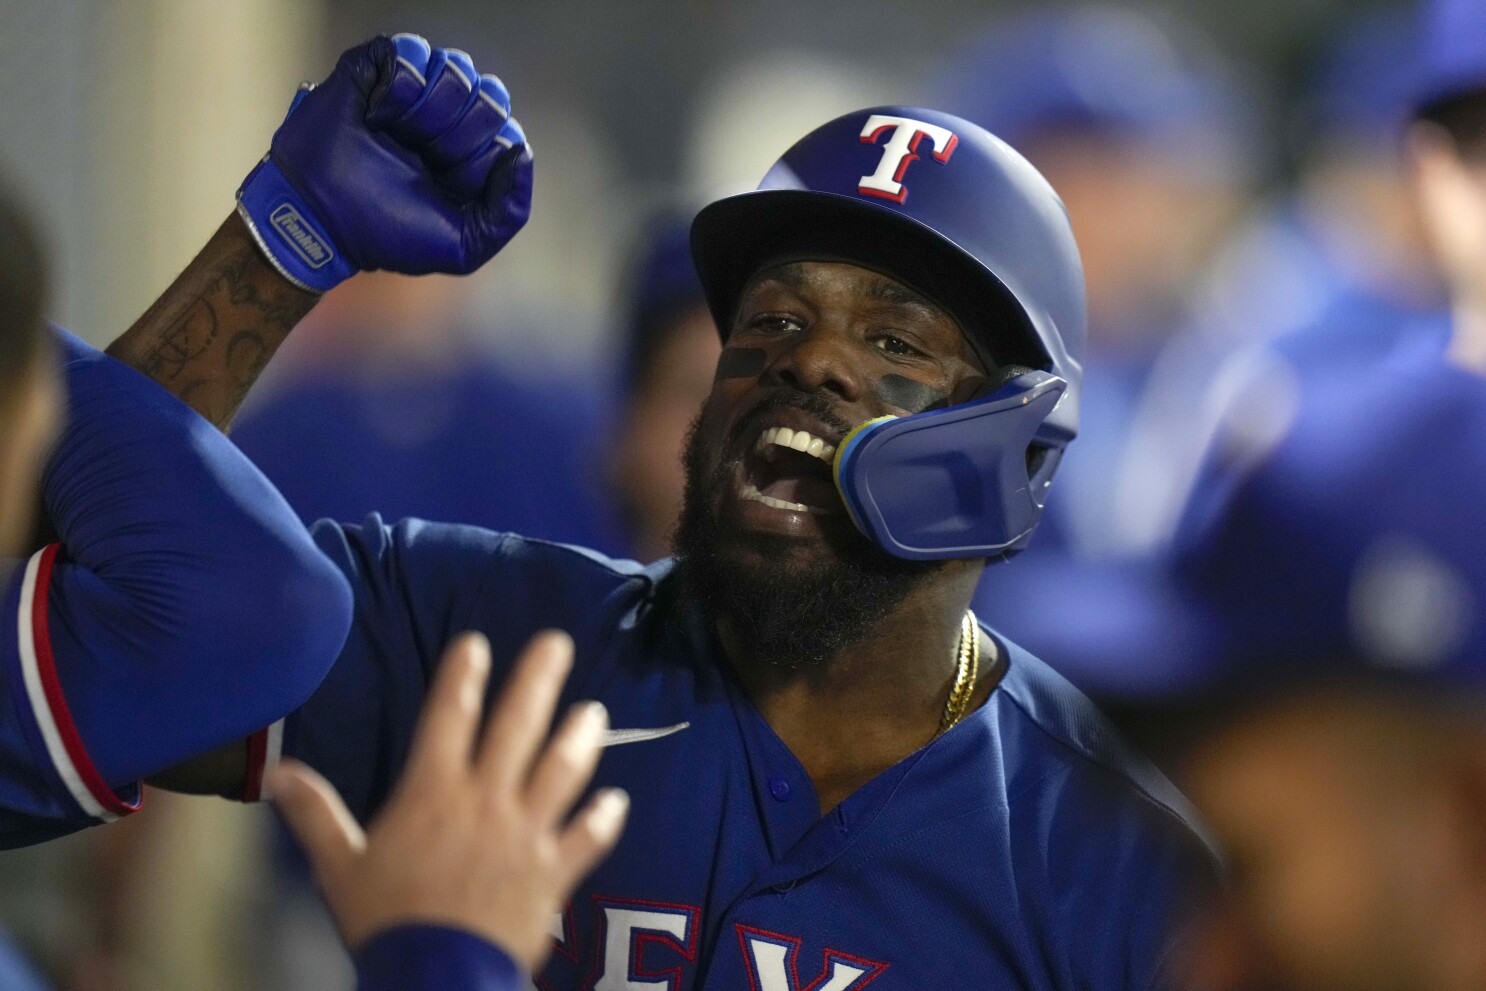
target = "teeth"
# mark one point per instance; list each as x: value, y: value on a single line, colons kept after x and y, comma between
x: 751, y: 492
x: 796, y: 440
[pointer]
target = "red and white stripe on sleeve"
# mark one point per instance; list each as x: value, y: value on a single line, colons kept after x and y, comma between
x: 39, y: 671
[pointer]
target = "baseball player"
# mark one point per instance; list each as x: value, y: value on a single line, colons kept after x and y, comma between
x: 839, y: 777
x: 1338, y: 738
x: 1341, y: 755
x: 1334, y: 737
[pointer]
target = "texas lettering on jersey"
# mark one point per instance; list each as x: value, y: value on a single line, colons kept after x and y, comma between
x: 773, y: 964
x: 651, y: 946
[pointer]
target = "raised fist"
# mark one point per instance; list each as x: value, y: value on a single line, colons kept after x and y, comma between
x: 404, y: 159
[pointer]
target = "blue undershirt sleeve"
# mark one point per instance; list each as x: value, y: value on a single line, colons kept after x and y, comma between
x: 434, y: 958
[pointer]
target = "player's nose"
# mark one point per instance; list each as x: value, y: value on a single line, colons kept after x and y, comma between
x: 819, y: 359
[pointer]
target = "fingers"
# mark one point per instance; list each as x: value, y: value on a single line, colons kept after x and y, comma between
x: 451, y: 716
x: 494, y: 93
x: 506, y: 201
x: 401, y: 80
x: 449, y: 94
x: 568, y: 763
x: 476, y: 134
x: 413, y: 51
x: 433, y: 102
x: 511, y: 135
x: 521, y: 717
x: 591, y: 835
x: 465, y: 152
x: 318, y: 818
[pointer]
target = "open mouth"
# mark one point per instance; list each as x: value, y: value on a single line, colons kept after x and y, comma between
x: 791, y: 470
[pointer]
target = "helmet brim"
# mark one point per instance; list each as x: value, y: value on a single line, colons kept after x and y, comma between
x: 733, y: 238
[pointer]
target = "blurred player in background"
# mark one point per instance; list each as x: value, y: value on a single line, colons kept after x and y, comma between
x: 1334, y: 722
x: 1332, y: 272
x: 1341, y: 258
x: 809, y: 720
x: 1337, y: 746
x: 1299, y: 287
x: 1447, y: 145
x: 30, y: 399
x: 1149, y: 137
x: 393, y: 401
x: 670, y: 349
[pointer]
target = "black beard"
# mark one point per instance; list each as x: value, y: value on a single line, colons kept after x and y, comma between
x: 786, y: 616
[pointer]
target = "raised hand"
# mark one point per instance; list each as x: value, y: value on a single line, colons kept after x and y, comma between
x: 405, y: 159
x: 477, y: 835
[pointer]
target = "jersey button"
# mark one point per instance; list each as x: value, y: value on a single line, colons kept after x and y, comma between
x: 780, y: 789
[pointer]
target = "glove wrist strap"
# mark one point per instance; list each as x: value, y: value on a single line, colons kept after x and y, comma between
x: 293, y: 241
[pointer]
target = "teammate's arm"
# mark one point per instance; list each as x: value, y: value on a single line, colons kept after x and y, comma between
x: 405, y: 159
x: 183, y: 606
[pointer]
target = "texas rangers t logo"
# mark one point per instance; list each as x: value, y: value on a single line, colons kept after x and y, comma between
x: 900, y: 150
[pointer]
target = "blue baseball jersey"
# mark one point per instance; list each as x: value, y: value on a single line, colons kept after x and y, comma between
x: 182, y: 607
x: 1028, y: 847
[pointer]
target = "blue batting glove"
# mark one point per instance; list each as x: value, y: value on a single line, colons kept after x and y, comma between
x: 405, y: 159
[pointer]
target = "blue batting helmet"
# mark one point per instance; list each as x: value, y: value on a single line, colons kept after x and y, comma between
x: 946, y: 207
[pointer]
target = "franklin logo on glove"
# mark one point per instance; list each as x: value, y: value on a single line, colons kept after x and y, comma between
x: 287, y: 221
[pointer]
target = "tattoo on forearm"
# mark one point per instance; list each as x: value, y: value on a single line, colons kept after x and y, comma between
x: 247, y: 355
x: 184, y: 340
x: 213, y: 332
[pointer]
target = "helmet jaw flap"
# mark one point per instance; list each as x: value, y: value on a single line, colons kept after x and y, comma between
x: 956, y: 482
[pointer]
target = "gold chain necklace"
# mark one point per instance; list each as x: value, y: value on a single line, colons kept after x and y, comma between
x: 967, y: 669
